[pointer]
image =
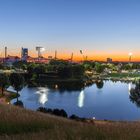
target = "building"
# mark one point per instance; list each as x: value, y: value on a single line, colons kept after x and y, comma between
x: 24, y: 54
x: 9, y: 60
x: 36, y: 60
x: 109, y: 60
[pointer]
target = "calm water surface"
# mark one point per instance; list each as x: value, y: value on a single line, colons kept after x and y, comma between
x: 111, y: 102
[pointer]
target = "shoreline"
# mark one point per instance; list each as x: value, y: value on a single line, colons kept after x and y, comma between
x: 7, y: 97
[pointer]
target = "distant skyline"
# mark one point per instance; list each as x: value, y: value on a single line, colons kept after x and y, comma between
x: 101, y: 28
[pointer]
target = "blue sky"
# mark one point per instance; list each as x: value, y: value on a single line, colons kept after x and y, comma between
x: 99, y: 27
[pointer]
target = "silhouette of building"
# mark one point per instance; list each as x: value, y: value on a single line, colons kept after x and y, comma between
x: 24, y: 54
x: 9, y: 60
x: 109, y: 60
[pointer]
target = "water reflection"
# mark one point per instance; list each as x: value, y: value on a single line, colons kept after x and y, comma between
x: 100, y: 84
x: 62, y: 86
x: 129, y: 88
x: 81, y: 98
x: 19, y: 103
x: 43, y: 95
x: 135, y: 94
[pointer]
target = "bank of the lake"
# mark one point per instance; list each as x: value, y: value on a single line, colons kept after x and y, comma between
x: 7, y: 97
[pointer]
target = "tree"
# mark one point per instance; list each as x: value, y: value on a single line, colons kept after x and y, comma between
x: 77, y: 71
x: 100, y: 84
x: 31, y: 67
x: 127, y: 66
x: 88, y: 65
x: 40, y: 69
x: 64, y: 71
x: 58, y: 62
x: 3, y: 82
x: 17, y: 82
x: 135, y: 94
x: 99, y: 68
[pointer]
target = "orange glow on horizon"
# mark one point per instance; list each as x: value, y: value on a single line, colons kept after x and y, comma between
x: 98, y: 55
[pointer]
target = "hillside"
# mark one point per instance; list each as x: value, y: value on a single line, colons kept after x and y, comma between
x: 17, y: 123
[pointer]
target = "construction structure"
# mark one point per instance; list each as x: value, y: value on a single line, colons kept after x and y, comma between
x: 40, y: 50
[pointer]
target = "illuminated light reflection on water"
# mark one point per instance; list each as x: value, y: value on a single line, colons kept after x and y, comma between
x: 43, y: 95
x: 81, y: 99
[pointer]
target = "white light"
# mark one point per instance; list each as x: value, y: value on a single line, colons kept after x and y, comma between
x: 93, y: 118
x: 130, y: 54
x: 42, y: 49
x: 81, y: 99
x: 43, y: 95
x: 129, y: 88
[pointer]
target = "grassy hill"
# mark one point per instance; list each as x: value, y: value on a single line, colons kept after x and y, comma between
x: 17, y: 123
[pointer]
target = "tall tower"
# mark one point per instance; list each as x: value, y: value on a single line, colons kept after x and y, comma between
x: 5, y: 52
x: 71, y: 57
x: 55, y: 55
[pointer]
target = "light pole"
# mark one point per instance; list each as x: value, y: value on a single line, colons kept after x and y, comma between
x: 40, y: 50
x: 130, y: 56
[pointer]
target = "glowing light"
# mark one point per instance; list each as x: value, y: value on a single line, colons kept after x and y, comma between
x: 43, y: 95
x: 93, y: 118
x: 81, y: 99
x: 130, y: 54
x: 42, y: 49
x: 56, y: 86
x: 129, y: 88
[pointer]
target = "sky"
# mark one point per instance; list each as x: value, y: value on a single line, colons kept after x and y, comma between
x: 101, y: 28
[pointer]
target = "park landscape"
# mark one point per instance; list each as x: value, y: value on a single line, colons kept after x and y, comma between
x: 69, y: 70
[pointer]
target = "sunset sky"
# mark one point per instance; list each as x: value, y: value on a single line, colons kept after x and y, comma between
x: 101, y: 28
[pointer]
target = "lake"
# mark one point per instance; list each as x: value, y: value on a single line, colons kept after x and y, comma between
x: 110, y: 101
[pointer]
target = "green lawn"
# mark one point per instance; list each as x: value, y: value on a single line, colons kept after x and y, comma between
x: 124, y: 75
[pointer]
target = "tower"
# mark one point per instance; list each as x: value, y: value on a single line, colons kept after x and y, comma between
x: 55, y: 55
x: 39, y: 50
x: 5, y: 52
x: 24, y: 54
x: 71, y: 57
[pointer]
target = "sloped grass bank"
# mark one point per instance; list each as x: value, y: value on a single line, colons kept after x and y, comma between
x: 17, y: 123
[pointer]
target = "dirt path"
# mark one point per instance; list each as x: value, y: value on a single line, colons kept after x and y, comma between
x: 3, y: 100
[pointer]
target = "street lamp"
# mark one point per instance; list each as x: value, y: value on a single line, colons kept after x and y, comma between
x: 40, y: 50
x: 130, y: 56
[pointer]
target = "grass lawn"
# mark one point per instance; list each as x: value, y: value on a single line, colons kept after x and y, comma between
x: 124, y: 75
x: 17, y: 123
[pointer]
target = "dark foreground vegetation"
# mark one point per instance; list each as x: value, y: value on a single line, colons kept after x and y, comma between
x: 17, y: 123
x: 63, y: 113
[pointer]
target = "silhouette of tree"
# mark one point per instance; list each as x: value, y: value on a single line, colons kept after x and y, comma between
x: 19, y: 103
x: 100, y: 84
x: 4, y: 81
x: 135, y: 94
x: 17, y: 82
